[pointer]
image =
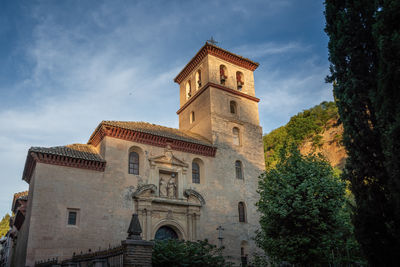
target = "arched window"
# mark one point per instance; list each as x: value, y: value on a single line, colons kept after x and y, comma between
x: 233, y: 107
x: 134, y: 163
x: 242, y: 212
x: 238, y: 169
x: 239, y: 80
x: 236, y: 136
x: 195, y: 173
x: 188, y: 90
x: 223, y: 74
x: 192, y: 117
x: 198, y: 79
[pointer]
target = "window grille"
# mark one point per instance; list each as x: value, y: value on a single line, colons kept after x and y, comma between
x: 195, y: 173
x: 134, y: 163
x: 72, y: 217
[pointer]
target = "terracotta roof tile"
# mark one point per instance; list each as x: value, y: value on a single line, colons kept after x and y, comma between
x: 236, y: 55
x: 212, y: 49
x: 20, y: 195
x: 78, y: 151
x: 159, y: 130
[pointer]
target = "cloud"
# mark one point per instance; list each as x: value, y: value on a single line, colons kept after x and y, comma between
x: 269, y: 48
x: 258, y: 7
x: 115, y: 60
x: 284, y: 93
x: 78, y: 79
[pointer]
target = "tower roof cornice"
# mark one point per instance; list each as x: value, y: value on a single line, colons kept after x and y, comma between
x: 210, y: 49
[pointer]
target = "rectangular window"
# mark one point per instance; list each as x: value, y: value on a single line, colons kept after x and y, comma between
x: 72, y: 216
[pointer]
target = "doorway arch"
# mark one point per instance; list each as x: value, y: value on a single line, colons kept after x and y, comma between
x: 165, y: 232
x: 172, y: 224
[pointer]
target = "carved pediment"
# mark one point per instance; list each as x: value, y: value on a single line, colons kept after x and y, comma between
x: 168, y: 158
x: 189, y: 193
x: 146, y: 189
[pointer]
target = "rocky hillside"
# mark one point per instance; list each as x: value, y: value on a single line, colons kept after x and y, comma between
x: 329, y: 145
x: 315, y: 130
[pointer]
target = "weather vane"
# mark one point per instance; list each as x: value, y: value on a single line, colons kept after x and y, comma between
x: 212, y: 41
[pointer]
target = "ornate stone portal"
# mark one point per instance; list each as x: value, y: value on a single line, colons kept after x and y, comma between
x: 166, y: 201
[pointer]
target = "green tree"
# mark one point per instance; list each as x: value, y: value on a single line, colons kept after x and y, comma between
x: 177, y: 253
x: 303, y: 215
x: 4, y: 225
x: 364, y: 51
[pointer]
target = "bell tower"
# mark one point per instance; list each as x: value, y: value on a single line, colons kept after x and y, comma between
x: 216, y: 88
x: 217, y: 101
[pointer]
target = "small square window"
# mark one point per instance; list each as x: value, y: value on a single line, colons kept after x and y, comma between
x: 72, y: 217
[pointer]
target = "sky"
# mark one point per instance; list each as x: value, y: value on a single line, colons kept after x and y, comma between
x: 67, y: 65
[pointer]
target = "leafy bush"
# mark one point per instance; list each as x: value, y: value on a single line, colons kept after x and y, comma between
x: 179, y: 253
x: 305, y: 219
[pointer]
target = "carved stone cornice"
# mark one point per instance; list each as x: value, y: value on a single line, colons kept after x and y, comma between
x: 177, y: 202
x: 220, y: 87
x: 150, y: 139
x: 168, y: 158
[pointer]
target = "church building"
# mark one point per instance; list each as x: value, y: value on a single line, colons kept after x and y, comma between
x: 199, y: 181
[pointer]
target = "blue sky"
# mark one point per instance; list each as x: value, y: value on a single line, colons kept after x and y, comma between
x: 67, y: 65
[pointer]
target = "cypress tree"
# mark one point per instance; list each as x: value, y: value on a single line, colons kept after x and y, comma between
x: 364, y: 55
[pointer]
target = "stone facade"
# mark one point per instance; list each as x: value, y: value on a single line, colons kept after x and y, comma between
x: 102, y: 193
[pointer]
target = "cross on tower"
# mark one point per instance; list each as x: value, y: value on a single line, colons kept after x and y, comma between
x: 212, y: 41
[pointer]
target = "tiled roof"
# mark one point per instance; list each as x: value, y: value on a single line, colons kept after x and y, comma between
x: 236, y: 55
x: 158, y: 130
x: 77, y: 151
x: 76, y: 155
x: 22, y: 195
x: 212, y: 49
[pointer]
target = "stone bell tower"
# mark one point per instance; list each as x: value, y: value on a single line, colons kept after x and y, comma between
x: 216, y: 90
x: 217, y: 101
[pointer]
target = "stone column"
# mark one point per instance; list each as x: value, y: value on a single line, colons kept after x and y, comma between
x: 143, y: 218
x: 195, y: 226
x: 190, y: 226
x: 148, y: 226
x: 179, y: 179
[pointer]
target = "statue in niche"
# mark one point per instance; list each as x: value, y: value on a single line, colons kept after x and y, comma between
x: 171, y: 187
x: 163, y: 187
